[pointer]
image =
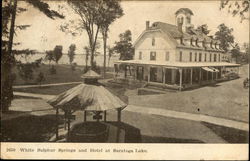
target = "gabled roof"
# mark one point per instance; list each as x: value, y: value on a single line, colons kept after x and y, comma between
x: 90, y: 74
x: 184, y: 10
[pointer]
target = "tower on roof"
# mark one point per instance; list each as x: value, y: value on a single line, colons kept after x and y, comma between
x: 183, y: 18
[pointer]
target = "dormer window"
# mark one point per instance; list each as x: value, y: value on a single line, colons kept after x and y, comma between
x: 211, y: 45
x: 153, y: 41
x: 197, y: 43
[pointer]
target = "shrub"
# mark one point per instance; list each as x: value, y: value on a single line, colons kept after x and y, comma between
x: 40, y: 78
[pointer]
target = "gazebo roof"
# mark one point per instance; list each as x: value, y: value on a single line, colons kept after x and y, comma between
x: 91, y: 74
x: 87, y: 97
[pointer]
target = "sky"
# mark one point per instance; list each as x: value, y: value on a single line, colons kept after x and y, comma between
x: 44, y: 33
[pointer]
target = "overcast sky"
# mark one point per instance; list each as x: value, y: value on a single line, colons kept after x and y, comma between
x: 44, y: 33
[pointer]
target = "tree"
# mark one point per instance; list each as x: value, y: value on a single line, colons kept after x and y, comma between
x: 40, y: 78
x: 49, y: 56
x: 110, y: 11
x: 124, y: 47
x: 89, y: 20
x: 240, y: 8
x: 204, y: 29
x: 57, y: 53
x: 224, y: 35
x: 9, y: 11
x: 236, y: 52
x: 111, y: 53
x: 87, y: 52
x: 71, y: 53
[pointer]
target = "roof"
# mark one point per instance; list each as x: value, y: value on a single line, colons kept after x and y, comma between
x: 179, y: 64
x: 90, y: 74
x: 87, y: 97
x: 174, y: 34
x: 184, y: 10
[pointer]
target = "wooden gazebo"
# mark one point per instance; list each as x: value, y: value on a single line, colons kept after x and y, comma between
x: 89, y: 97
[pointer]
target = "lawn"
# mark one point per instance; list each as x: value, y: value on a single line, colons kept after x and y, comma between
x: 63, y: 74
x: 226, y: 100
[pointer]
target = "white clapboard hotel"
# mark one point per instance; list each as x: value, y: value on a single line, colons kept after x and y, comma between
x: 175, y: 56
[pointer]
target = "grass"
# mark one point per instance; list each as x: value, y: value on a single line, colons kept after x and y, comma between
x: 63, y: 74
x: 226, y: 100
x: 28, y: 128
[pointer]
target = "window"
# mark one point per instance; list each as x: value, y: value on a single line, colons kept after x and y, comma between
x: 167, y: 56
x: 180, y: 56
x: 210, y: 59
x: 190, y: 56
x: 199, y: 57
x: 195, y: 58
x: 219, y: 57
x: 152, y: 55
x: 205, y: 59
x: 153, y: 41
x: 140, y: 55
x: 215, y: 57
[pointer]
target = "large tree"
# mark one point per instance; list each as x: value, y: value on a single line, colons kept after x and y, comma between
x: 71, y: 53
x: 110, y: 11
x: 124, y: 47
x: 236, y: 8
x: 89, y: 20
x: 57, y: 53
x: 9, y: 11
x: 225, y: 36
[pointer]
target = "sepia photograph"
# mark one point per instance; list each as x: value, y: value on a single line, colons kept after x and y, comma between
x: 141, y: 72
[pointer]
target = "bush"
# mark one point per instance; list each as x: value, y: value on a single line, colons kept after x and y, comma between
x: 40, y: 78
x: 52, y: 70
x: 73, y: 66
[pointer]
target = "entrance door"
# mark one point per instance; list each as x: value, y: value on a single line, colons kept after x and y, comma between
x: 153, y: 74
x: 140, y: 73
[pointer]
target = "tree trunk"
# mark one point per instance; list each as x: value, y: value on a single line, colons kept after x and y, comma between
x: 7, y: 61
x: 104, y: 51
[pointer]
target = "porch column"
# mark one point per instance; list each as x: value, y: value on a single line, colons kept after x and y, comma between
x: 148, y: 73
x: 105, y: 116
x: 163, y: 75
x: 216, y: 76
x: 212, y: 76
x: 191, y: 75
x: 200, y: 77
x: 135, y: 72
x: 180, y: 70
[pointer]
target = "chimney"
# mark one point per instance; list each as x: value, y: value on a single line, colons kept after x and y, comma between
x: 147, y: 25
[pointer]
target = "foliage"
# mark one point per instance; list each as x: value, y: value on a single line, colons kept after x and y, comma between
x: 50, y: 56
x: 40, y: 78
x: 240, y: 8
x: 73, y: 66
x: 204, y: 29
x: 124, y: 47
x: 225, y: 36
x: 110, y: 11
x: 57, y: 53
x: 95, y: 68
x: 71, y: 53
x: 9, y: 12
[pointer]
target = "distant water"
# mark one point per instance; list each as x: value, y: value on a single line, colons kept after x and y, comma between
x: 79, y: 59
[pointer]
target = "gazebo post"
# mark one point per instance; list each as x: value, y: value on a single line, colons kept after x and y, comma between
x: 119, y: 114
x: 68, y: 126
x: 57, y: 111
x: 85, y: 116
x: 105, y: 116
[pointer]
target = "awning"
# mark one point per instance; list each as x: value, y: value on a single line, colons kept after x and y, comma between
x: 210, y: 69
x: 214, y: 69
